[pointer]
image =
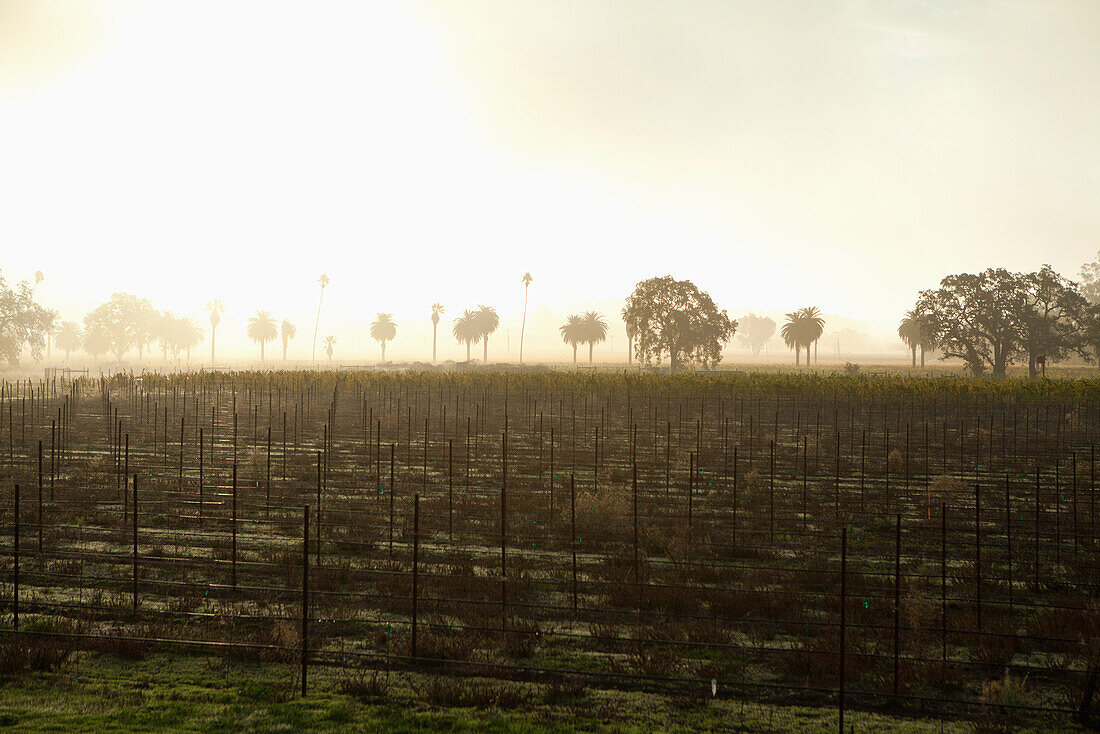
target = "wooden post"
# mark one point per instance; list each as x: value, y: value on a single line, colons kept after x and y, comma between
x: 135, y: 559
x: 978, y: 550
x: 595, y: 459
x: 450, y: 489
x: 771, y: 493
x: 862, y: 468
x: 836, y: 476
x: 897, y: 602
x: 392, y: 450
x: 305, y: 595
x: 691, y: 491
x: 843, y: 618
x: 573, y: 533
x: 805, y: 477
x: 202, y: 475
x: 15, y: 568
x: 40, y: 496
x: 1036, y: 564
x: 416, y: 568
x: 634, y: 471
x: 503, y: 529
x: 267, y: 505
x: 734, y: 531
x: 551, y: 515
x: 233, y: 531
x: 1008, y: 537
x: 1075, y: 546
x: 320, y: 483
x: 943, y: 581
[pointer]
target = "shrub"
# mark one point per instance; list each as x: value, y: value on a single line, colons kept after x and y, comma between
x: 651, y: 660
x: 949, y: 489
x: 365, y: 685
x: 44, y: 649
x: 1000, y: 699
x: 522, y: 639
x: 457, y: 692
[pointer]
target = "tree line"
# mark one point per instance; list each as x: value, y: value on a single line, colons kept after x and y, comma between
x: 989, y: 320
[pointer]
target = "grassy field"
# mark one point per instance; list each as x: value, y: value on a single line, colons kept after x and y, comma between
x: 198, y: 694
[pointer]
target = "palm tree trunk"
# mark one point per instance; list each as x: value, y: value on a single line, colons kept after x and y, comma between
x: 523, y: 323
x: 485, y: 354
x: 922, y: 357
x: 630, y: 350
x: 317, y: 323
x: 914, y: 355
x: 590, y: 345
x: 213, y: 337
x: 815, y: 353
x: 797, y: 355
x: 435, y: 328
x: 383, y: 351
x: 467, y: 352
x: 574, y: 354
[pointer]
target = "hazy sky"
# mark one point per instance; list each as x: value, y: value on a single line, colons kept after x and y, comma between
x: 780, y: 154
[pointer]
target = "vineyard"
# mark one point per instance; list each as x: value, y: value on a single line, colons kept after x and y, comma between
x: 926, y: 547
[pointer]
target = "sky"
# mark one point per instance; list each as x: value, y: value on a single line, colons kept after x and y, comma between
x: 779, y: 154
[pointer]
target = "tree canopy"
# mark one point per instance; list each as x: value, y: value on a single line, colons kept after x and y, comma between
x: 123, y: 323
x: 1090, y: 280
x: 673, y: 319
x: 22, y: 322
x: 754, y: 331
x: 994, y: 318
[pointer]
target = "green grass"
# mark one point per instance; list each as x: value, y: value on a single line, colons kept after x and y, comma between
x: 192, y: 694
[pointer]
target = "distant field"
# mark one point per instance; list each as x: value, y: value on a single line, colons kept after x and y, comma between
x: 497, y: 551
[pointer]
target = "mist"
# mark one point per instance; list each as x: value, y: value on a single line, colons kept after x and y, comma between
x: 844, y: 154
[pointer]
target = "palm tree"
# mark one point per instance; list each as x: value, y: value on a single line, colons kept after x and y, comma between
x: 815, y: 326
x: 69, y: 337
x: 574, y: 332
x: 909, y: 330
x: 324, y: 281
x: 437, y: 311
x: 164, y: 327
x: 487, y: 321
x: 287, y: 331
x: 330, y: 341
x: 630, y: 334
x: 262, y: 328
x: 38, y: 278
x: 51, y: 327
x: 96, y: 343
x: 793, y: 333
x: 217, y: 308
x: 916, y: 332
x: 188, y: 335
x: 595, y: 330
x: 466, y: 330
x: 383, y: 330
x: 526, y: 280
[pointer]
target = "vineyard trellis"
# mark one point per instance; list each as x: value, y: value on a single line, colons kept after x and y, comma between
x: 849, y: 541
